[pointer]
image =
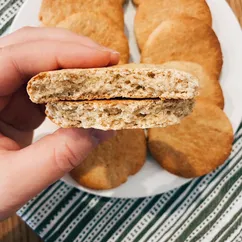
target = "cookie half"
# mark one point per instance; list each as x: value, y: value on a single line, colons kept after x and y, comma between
x: 150, y: 14
x: 118, y: 114
x: 135, y: 81
x: 184, y: 39
x: 112, y: 162
x: 196, y: 146
x: 99, y: 28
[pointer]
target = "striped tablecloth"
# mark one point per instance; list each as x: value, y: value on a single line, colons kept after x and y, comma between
x: 207, y: 209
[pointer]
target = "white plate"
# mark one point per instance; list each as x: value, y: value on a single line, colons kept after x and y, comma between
x: 152, y: 180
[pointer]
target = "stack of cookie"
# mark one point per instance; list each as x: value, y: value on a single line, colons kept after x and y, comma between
x: 102, y: 21
x: 178, y: 34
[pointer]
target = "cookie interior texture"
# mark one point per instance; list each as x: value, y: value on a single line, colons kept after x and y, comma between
x: 184, y: 39
x: 112, y: 162
x: 107, y: 83
x: 209, y: 86
x: 196, y: 146
x: 119, y: 114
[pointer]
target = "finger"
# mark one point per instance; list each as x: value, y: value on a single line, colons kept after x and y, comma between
x: 21, y: 113
x: 25, y: 60
x: 7, y: 144
x: 41, y: 164
x: 29, y: 34
x: 12, y: 138
x: 4, y: 101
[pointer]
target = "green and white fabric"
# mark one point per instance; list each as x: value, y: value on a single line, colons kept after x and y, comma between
x: 208, y: 209
x: 8, y: 9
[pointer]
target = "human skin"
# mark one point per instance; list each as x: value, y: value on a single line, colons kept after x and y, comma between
x: 26, y: 169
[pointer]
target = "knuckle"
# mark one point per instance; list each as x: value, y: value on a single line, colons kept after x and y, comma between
x: 25, y: 29
x: 70, y: 152
x: 71, y: 156
x: 4, y: 50
x: 65, y: 158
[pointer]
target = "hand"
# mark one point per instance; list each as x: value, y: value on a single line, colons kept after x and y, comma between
x: 25, y: 170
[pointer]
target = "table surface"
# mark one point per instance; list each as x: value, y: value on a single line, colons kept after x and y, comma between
x: 15, y: 230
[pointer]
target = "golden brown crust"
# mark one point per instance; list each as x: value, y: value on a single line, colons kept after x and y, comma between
x: 184, y: 39
x: 137, y: 2
x: 153, y: 12
x: 209, y: 87
x: 100, y: 29
x: 195, y: 147
x: 53, y: 12
x: 121, y: 2
x: 112, y: 162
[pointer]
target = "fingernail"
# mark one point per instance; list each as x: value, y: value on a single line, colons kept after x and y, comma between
x: 96, y: 141
x: 115, y: 57
x: 102, y: 136
x: 108, y: 49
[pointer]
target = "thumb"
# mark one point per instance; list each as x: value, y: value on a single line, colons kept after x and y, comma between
x: 28, y: 171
